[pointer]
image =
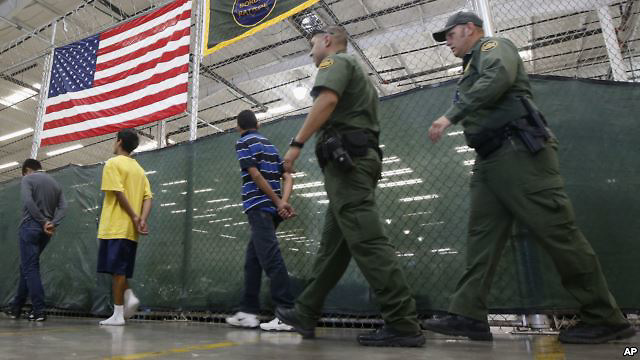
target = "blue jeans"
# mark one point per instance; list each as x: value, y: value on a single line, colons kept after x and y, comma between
x: 263, y: 253
x: 33, y: 240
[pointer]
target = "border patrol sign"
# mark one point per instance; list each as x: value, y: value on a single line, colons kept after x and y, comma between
x: 228, y: 21
x: 249, y: 13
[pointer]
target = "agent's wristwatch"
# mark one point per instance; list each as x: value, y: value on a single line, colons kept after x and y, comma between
x: 294, y: 143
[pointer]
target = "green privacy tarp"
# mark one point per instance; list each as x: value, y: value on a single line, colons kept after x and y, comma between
x: 193, y: 258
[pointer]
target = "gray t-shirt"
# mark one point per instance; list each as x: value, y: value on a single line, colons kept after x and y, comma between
x: 42, y: 199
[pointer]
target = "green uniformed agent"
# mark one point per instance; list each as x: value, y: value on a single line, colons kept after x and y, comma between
x: 514, y: 180
x: 345, y: 107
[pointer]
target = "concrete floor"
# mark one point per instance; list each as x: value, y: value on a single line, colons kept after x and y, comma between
x: 74, y: 338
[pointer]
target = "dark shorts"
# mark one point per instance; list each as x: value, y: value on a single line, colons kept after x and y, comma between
x: 117, y: 256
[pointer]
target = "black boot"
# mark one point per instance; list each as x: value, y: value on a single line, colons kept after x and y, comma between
x: 290, y: 317
x: 384, y: 336
x: 456, y: 325
x: 595, y: 334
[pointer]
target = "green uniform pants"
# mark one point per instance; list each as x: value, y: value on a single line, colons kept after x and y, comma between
x: 352, y: 228
x: 512, y: 184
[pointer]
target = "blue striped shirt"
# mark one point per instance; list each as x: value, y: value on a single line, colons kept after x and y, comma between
x: 255, y: 150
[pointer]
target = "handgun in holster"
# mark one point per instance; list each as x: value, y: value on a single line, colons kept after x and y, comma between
x: 531, y: 129
x: 330, y: 148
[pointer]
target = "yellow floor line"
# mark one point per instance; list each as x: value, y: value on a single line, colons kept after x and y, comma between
x: 173, y: 351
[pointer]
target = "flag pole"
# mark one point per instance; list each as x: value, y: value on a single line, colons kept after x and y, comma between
x: 195, y: 70
x: 44, y: 90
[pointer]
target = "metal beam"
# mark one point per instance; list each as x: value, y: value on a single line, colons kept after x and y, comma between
x: 483, y: 9
x: 369, y: 40
x: 41, y: 29
x: 212, y: 74
x: 629, y: 21
x: 389, y: 10
x: 586, y: 19
x: 628, y: 25
x: 116, y: 10
x: 504, y: 10
x: 57, y: 12
x: 378, y: 38
x: 354, y: 44
x: 618, y: 67
x: 22, y: 63
x: 393, y: 47
x: 19, y: 83
x: 205, y: 123
x: 24, y: 28
x: 49, y: 7
x: 103, y: 11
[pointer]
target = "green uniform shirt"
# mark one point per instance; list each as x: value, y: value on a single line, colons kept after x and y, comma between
x: 493, y: 78
x: 357, y: 106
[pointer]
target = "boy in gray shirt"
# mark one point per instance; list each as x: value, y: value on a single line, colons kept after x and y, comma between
x: 44, y: 207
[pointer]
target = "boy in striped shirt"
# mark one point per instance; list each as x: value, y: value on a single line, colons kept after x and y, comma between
x: 266, y: 205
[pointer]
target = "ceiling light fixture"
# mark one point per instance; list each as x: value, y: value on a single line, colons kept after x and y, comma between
x: 65, y: 149
x: 16, y: 134
x: 299, y: 92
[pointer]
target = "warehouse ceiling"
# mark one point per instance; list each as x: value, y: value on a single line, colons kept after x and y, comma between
x: 271, y: 71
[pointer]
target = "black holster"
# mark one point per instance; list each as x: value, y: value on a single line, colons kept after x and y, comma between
x: 534, y: 139
x: 488, y: 141
x: 530, y: 129
x: 341, y: 148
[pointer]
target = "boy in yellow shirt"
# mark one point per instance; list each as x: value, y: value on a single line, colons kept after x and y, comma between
x: 126, y: 207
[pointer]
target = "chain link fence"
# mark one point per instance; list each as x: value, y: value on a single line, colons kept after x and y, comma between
x: 192, y: 262
x: 580, y: 39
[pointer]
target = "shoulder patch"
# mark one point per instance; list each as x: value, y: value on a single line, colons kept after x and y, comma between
x: 489, y: 45
x: 326, y: 63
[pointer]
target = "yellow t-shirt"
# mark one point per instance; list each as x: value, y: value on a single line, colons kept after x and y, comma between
x: 122, y: 173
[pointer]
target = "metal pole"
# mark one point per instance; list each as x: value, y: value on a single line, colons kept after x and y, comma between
x: 618, y: 68
x: 162, y: 134
x: 44, y: 91
x: 484, y: 11
x: 195, y: 69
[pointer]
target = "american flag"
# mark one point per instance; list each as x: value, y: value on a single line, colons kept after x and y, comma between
x: 131, y: 75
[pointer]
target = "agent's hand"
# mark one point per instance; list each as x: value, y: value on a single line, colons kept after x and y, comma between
x: 49, y: 228
x: 437, y: 129
x: 290, y: 158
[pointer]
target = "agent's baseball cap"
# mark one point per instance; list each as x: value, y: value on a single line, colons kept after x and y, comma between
x: 458, y: 18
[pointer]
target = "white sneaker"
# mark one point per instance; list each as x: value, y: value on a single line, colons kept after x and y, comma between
x: 116, y: 319
x: 131, y: 304
x: 275, y: 325
x: 242, y: 319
